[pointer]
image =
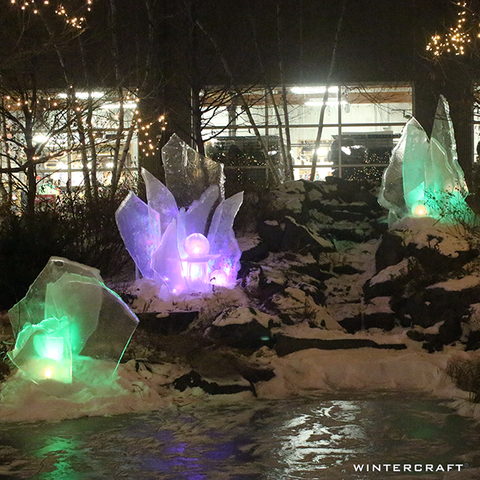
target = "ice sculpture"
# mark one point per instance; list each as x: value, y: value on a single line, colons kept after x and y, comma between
x: 187, y: 173
x: 424, y: 177
x: 68, y: 313
x: 184, y: 249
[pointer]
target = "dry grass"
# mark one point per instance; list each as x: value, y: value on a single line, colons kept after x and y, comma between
x: 466, y: 374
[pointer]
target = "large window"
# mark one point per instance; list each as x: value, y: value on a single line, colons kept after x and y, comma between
x: 361, y: 125
x: 68, y: 139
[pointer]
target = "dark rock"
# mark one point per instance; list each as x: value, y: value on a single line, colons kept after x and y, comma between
x: 286, y: 319
x: 427, y: 306
x: 345, y: 270
x: 352, y: 191
x: 352, y: 324
x: 316, y: 292
x: 339, y: 214
x: 383, y: 320
x: 272, y: 234
x: 251, y: 372
x: 128, y: 298
x: 390, y: 251
x: 473, y: 341
x: 309, y: 185
x: 247, y: 336
x: 313, y: 270
x: 352, y: 232
x: 442, y: 265
x: 432, y: 347
x: 417, y: 311
x: 193, y: 379
x: 450, y: 331
x: 285, y: 345
x: 388, y: 282
x: 267, y: 286
x: 298, y: 238
x: 416, y: 335
x: 256, y: 254
x: 462, y: 293
x: 171, y: 324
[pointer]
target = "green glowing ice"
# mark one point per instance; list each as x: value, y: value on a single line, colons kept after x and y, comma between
x: 424, y: 177
x: 68, y: 313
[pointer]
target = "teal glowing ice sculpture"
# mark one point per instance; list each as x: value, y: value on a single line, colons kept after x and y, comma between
x: 424, y: 177
x: 68, y: 314
x: 173, y: 238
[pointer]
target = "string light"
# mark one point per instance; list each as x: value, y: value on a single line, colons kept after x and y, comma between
x: 60, y: 8
x: 148, y: 141
x: 458, y: 37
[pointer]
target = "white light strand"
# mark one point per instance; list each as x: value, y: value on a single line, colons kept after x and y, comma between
x: 63, y: 9
x: 459, y: 37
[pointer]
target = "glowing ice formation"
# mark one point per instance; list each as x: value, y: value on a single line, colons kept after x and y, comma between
x: 68, y: 313
x: 188, y: 174
x: 178, y: 248
x: 424, y: 177
x: 185, y: 250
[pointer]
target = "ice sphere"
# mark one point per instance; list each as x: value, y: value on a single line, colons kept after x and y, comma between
x: 68, y: 313
x: 424, y: 177
x: 187, y: 173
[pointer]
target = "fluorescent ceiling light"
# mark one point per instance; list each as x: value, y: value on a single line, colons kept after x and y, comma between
x: 83, y: 95
x: 313, y: 90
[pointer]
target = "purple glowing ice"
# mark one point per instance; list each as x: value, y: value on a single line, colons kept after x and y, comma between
x: 185, y: 250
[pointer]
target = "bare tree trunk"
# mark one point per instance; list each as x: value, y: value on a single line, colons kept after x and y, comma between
x: 120, y: 155
x: 83, y: 152
x: 288, y: 148
x: 270, y: 165
x: 288, y: 159
x: 28, y: 107
x: 283, y: 150
x: 92, y: 148
x: 9, y: 190
x: 197, y: 121
x: 194, y: 75
x: 92, y: 145
x: 325, y: 95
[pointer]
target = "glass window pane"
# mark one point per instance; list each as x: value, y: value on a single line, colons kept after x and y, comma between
x: 376, y: 104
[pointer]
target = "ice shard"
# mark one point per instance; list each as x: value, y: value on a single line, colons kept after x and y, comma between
x: 183, y: 239
x: 68, y: 313
x: 424, y: 177
x: 223, y: 243
x: 187, y: 173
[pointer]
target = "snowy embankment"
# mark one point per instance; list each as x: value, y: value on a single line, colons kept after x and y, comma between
x: 138, y: 387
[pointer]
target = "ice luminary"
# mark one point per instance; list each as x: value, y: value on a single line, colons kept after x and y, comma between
x: 184, y: 242
x: 68, y: 314
x: 424, y: 178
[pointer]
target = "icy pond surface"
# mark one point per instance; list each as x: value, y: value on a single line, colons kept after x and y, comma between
x: 308, y: 438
